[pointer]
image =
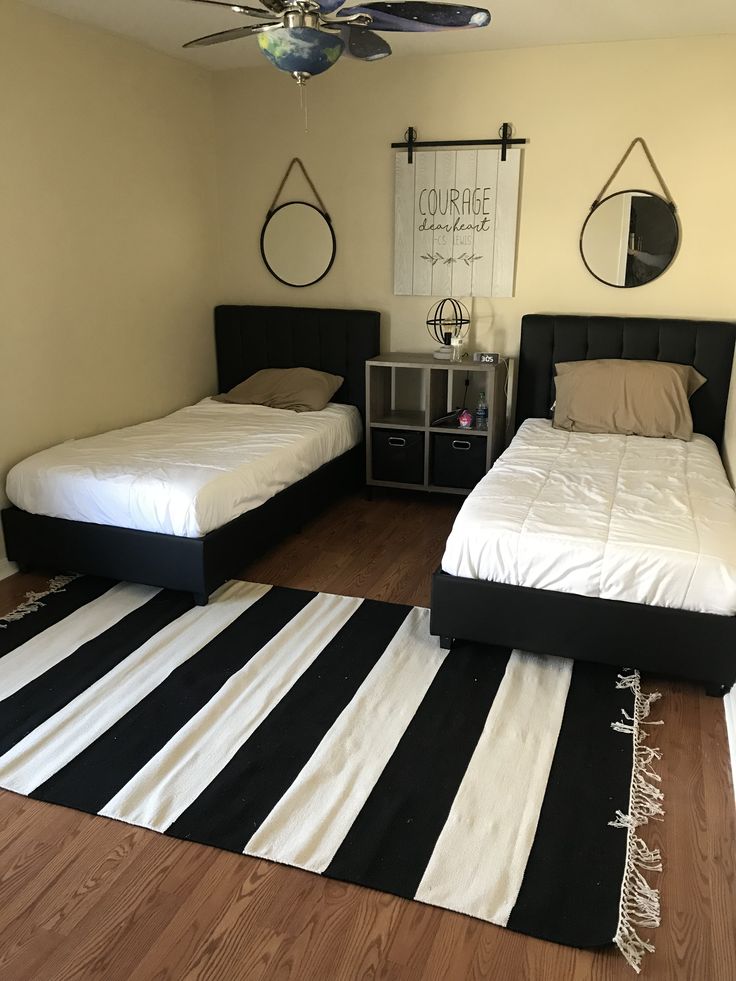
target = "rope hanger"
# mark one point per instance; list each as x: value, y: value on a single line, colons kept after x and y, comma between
x: 622, y: 161
x: 309, y: 181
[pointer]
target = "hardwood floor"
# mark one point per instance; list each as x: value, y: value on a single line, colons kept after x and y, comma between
x: 84, y: 898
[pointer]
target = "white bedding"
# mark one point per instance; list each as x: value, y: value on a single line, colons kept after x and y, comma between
x: 619, y: 517
x: 187, y: 473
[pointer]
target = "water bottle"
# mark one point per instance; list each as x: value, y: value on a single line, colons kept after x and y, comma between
x: 481, y: 413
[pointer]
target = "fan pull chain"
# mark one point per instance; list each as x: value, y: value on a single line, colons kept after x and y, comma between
x: 303, y: 106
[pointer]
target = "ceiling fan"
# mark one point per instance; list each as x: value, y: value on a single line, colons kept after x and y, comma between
x: 297, y: 37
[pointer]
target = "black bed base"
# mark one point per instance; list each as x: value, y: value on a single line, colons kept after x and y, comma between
x: 192, y: 565
x: 699, y: 647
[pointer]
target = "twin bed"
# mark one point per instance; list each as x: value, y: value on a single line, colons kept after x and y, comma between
x: 616, y: 549
x: 186, y: 501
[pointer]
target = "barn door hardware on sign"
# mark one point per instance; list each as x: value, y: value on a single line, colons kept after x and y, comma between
x: 411, y: 143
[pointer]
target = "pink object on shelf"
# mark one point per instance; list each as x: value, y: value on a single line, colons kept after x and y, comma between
x: 465, y: 419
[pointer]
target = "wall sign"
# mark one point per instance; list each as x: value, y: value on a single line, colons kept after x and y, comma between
x: 455, y: 223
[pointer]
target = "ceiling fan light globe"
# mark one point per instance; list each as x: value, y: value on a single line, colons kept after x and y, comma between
x: 305, y: 50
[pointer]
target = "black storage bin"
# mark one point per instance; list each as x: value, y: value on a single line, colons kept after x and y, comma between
x: 398, y: 455
x: 457, y: 460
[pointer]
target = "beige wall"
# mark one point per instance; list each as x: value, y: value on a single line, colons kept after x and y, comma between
x: 579, y: 105
x: 108, y: 232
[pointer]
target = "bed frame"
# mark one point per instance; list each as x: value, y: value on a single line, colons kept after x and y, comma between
x: 697, y: 646
x: 247, y: 338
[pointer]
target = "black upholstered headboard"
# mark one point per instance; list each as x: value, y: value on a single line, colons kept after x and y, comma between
x: 546, y: 340
x: 339, y: 341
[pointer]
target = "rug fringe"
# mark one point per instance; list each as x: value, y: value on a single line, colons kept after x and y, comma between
x: 639, y: 906
x: 32, y: 602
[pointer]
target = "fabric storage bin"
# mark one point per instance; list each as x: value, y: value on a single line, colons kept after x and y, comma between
x: 398, y: 455
x: 457, y: 460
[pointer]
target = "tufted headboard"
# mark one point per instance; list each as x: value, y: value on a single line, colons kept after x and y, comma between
x: 547, y: 339
x: 339, y: 341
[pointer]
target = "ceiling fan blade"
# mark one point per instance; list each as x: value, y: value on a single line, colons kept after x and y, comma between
x: 238, y: 8
x: 275, y: 6
x: 417, y: 15
x: 233, y: 35
x: 364, y: 44
x: 330, y: 6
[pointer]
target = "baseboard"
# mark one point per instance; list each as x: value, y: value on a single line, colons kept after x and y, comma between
x: 729, y: 704
x: 7, y: 568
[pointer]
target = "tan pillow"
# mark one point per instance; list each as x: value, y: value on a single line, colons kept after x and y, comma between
x: 633, y: 398
x: 300, y: 389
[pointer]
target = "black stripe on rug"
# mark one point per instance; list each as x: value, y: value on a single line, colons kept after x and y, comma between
x: 52, y: 610
x: 571, y: 886
x: 243, y: 794
x: 93, y: 777
x: 37, y: 701
x: 390, y: 844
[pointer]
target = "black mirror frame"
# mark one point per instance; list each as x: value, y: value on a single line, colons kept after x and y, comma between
x: 596, y: 206
x: 326, y: 217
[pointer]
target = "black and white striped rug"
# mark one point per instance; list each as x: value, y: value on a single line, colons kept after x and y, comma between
x: 333, y: 734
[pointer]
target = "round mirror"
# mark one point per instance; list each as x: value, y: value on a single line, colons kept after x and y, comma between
x: 629, y: 238
x: 298, y: 244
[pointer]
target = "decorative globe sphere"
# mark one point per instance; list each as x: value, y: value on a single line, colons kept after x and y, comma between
x: 448, y: 316
x: 301, y: 49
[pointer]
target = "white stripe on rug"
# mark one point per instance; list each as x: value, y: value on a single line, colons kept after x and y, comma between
x: 62, y: 639
x: 187, y: 764
x: 309, y: 823
x: 479, y: 859
x: 65, y: 735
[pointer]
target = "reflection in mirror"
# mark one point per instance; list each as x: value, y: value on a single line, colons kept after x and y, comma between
x: 298, y: 244
x: 629, y: 238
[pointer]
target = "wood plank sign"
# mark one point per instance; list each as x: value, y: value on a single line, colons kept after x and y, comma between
x: 455, y: 224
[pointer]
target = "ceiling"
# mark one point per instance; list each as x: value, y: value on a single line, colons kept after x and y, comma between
x: 167, y: 24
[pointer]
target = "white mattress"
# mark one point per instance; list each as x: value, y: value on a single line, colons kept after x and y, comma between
x: 187, y: 473
x: 619, y: 517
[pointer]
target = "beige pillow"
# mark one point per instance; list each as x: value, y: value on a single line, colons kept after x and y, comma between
x: 300, y: 389
x: 633, y: 398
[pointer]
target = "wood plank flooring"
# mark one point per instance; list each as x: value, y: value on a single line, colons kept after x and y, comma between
x: 86, y: 898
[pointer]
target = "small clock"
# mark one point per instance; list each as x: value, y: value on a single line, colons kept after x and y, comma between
x: 486, y: 357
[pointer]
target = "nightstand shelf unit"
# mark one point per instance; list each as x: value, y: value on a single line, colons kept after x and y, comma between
x: 406, y: 446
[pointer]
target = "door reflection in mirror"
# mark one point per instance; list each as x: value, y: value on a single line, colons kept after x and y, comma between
x: 629, y: 238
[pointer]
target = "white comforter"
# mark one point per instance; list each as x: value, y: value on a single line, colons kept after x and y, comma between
x: 620, y: 517
x: 187, y: 473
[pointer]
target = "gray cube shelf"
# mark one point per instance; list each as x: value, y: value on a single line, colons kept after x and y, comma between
x: 405, y: 393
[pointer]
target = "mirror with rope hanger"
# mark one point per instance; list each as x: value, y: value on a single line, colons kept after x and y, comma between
x: 630, y: 237
x: 298, y: 244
